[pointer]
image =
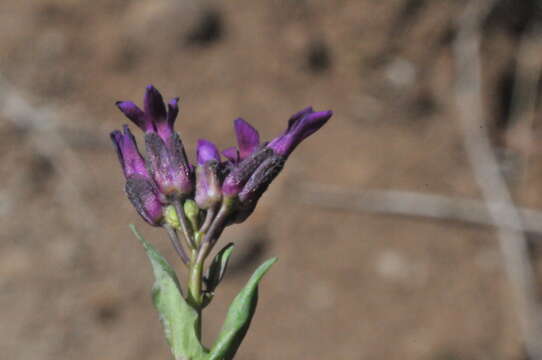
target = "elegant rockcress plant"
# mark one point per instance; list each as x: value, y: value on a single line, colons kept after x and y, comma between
x: 200, y: 200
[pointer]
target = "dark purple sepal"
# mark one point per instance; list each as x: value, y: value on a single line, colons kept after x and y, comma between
x: 300, y: 126
x: 256, y: 185
x: 168, y: 168
x: 239, y: 174
x: 144, y: 195
x: 248, y: 138
x: 129, y: 156
x: 182, y: 168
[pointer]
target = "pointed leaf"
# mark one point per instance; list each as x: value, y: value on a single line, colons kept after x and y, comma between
x: 218, y: 267
x: 239, y: 316
x: 178, y: 318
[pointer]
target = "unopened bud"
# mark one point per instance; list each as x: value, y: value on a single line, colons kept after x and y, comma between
x: 170, y: 215
x: 208, y: 192
x: 191, y: 211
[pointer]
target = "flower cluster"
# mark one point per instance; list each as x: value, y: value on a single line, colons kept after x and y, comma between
x: 201, y: 198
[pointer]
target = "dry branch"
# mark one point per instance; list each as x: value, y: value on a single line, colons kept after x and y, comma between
x: 468, y: 96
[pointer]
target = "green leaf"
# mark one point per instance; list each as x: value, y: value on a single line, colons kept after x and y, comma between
x: 218, y: 267
x: 239, y: 316
x: 178, y: 318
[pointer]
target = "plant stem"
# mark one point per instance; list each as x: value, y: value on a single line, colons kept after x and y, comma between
x: 194, y: 291
x: 177, y: 244
x: 185, y: 224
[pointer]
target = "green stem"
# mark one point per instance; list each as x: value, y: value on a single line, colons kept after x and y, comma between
x: 185, y: 224
x: 195, y: 292
x: 194, y: 283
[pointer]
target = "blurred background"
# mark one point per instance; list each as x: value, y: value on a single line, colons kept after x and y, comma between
x: 380, y: 220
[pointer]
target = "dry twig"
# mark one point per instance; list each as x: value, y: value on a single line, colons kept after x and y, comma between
x: 468, y: 96
x: 407, y: 203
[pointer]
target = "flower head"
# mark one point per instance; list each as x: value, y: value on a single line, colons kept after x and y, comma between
x: 254, y: 165
x: 166, y: 157
x: 166, y: 177
x: 140, y: 188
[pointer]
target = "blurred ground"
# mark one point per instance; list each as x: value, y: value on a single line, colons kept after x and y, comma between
x: 74, y: 283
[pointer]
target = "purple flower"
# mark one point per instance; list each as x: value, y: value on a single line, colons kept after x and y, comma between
x: 166, y: 176
x: 300, y: 126
x: 140, y: 188
x: 254, y: 166
x: 166, y: 156
x: 207, y: 181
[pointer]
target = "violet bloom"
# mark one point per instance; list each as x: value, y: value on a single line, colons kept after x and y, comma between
x: 208, y: 191
x: 255, y: 165
x: 166, y: 156
x: 140, y: 188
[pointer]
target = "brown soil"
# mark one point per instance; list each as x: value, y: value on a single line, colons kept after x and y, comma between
x: 74, y: 283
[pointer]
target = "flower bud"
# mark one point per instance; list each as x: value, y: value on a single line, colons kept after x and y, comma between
x: 208, y: 192
x: 167, y: 160
x: 170, y: 216
x: 192, y: 213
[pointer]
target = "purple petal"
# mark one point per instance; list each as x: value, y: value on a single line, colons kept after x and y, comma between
x: 298, y: 115
x: 154, y: 103
x: 231, y: 154
x: 207, y: 151
x: 155, y: 112
x: 300, y: 126
x: 134, y: 113
x: 247, y: 137
x: 129, y: 156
